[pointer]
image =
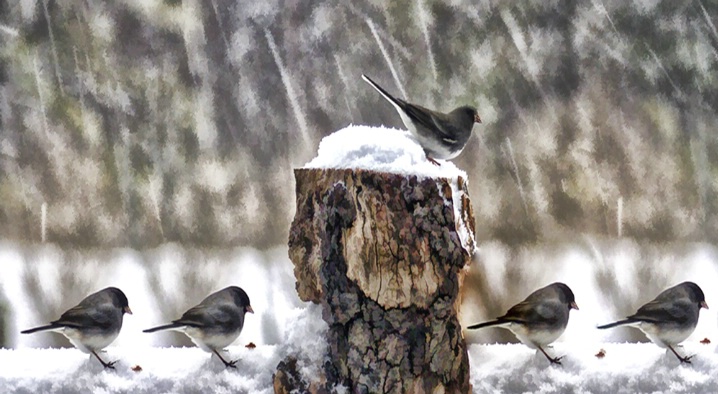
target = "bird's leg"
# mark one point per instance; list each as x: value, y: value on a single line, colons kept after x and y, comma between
x: 434, y: 162
x: 686, y: 359
x: 110, y: 365
x: 554, y: 360
x: 228, y: 364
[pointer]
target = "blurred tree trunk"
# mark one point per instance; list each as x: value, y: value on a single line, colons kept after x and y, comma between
x: 382, y: 254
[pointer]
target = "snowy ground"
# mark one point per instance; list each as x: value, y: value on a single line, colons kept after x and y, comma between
x: 625, y: 368
x: 498, y: 368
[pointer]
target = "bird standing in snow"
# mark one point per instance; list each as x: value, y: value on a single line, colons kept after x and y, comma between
x: 442, y: 136
x: 540, y: 319
x: 215, y: 322
x: 670, y: 318
x: 93, y: 324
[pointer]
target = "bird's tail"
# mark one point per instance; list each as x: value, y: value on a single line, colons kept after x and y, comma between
x: 383, y: 92
x: 615, y: 324
x: 486, y: 324
x: 41, y: 328
x: 163, y: 327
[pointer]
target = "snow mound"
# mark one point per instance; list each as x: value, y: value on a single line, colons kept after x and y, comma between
x: 379, y: 149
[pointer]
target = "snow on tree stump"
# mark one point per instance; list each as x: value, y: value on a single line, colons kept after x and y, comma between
x: 385, y: 254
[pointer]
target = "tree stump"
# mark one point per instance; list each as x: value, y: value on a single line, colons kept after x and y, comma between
x: 384, y: 254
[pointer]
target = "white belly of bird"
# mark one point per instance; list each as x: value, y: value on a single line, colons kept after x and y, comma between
x: 665, y: 336
x: 533, y: 338
x: 208, y: 343
x: 87, y: 343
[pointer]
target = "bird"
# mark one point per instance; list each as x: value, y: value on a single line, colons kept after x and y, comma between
x: 215, y: 322
x: 540, y: 319
x: 441, y: 135
x: 93, y: 324
x: 670, y: 318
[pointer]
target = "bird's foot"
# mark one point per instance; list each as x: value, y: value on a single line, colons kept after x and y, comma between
x: 686, y: 359
x: 110, y: 365
x: 228, y: 364
x: 553, y: 360
x: 434, y: 162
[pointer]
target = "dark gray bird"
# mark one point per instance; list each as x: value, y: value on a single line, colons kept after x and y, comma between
x: 215, y: 323
x: 539, y: 319
x: 94, y: 323
x: 670, y: 318
x: 442, y: 136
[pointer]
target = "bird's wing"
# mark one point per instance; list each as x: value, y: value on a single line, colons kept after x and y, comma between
x: 203, y: 315
x: 424, y: 117
x: 534, y: 313
x: 82, y: 316
x: 678, y: 311
x: 429, y: 119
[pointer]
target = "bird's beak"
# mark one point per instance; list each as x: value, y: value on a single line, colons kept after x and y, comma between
x: 127, y: 310
x: 573, y: 305
x: 249, y: 309
x: 704, y: 305
x: 477, y: 119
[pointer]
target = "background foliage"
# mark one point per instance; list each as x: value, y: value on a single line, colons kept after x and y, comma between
x: 145, y: 122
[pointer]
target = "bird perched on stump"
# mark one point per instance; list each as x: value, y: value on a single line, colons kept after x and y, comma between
x: 442, y: 136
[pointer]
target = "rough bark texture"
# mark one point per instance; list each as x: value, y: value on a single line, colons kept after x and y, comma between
x: 287, y: 378
x: 382, y: 254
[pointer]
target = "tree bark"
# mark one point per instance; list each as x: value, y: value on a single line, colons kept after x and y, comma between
x: 384, y: 254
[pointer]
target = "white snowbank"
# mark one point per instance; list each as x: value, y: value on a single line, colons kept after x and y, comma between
x: 165, y: 370
x: 394, y: 151
x: 625, y: 368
